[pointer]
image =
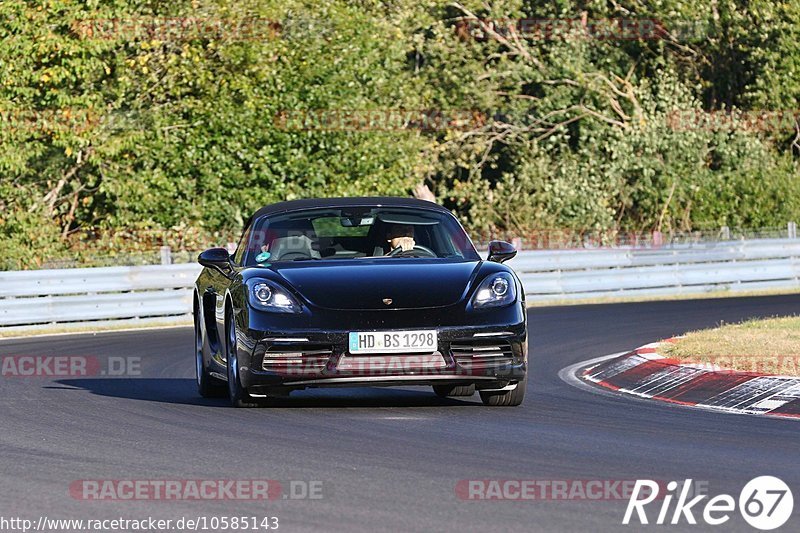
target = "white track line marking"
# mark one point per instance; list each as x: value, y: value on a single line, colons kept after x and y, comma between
x: 568, y: 375
x: 93, y: 332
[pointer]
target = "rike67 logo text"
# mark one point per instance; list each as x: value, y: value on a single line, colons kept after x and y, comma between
x: 765, y: 503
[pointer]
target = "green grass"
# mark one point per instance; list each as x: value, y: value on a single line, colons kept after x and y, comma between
x: 769, y: 346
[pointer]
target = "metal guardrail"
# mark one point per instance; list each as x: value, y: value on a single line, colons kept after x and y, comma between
x: 674, y: 270
x: 76, y: 295
x: 83, y: 294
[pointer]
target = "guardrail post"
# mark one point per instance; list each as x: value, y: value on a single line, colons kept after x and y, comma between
x: 792, y: 230
x: 166, y: 255
x: 726, y: 233
x: 658, y: 239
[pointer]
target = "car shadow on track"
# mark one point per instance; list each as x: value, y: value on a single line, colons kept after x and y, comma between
x: 184, y: 391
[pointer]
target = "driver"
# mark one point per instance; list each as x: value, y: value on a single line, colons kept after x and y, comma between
x: 400, y: 236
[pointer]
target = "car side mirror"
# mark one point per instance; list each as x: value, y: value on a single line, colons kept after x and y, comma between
x: 501, y: 251
x: 217, y: 258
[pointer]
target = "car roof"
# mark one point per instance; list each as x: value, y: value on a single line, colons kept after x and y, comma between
x: 364, y: 201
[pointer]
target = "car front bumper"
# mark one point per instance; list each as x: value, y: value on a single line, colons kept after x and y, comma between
x: 491, y: 357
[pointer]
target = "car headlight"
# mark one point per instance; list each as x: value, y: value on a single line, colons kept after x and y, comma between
x: 495, y: 291
x: 269, y: 296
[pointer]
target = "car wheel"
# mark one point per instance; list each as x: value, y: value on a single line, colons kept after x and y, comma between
x: 443, y: 391
x: 508, y: 398
x: 207, y: 385
x: 238, y: 395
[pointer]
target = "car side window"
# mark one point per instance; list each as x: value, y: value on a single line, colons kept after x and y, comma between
x: 241, y: 248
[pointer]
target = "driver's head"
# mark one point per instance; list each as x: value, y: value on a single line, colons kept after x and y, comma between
x: 395, y: 231
x: 396, y: 234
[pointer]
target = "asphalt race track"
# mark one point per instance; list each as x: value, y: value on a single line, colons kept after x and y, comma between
x: 388, y: 459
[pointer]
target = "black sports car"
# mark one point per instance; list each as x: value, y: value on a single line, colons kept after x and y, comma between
x: 359, y: 292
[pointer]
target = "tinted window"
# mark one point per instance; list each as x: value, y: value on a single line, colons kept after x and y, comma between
x: 241, y: 248
x: 357, y: 233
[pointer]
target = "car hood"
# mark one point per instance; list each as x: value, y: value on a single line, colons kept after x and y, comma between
x: 365, y: 284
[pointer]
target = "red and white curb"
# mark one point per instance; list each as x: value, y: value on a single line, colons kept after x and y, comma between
x: 647, y: 374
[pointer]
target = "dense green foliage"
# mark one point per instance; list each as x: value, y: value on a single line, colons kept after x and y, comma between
x: 111, y: 122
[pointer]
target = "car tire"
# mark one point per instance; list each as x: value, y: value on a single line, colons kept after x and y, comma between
x: 444, y: 391
x: 237, y: 394
x: 509, y: 398
x: 207, y: 385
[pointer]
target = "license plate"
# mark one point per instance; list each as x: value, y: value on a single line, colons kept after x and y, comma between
x: 394, y: 341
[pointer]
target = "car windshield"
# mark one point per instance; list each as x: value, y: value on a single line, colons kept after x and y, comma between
x: 356, y: 233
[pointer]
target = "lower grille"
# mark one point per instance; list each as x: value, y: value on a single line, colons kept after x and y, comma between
x: 481, y: 354
x: 297, y: 359
x: 390, y: 364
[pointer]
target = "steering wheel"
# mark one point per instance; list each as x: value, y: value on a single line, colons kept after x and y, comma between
x: 398, y: 252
